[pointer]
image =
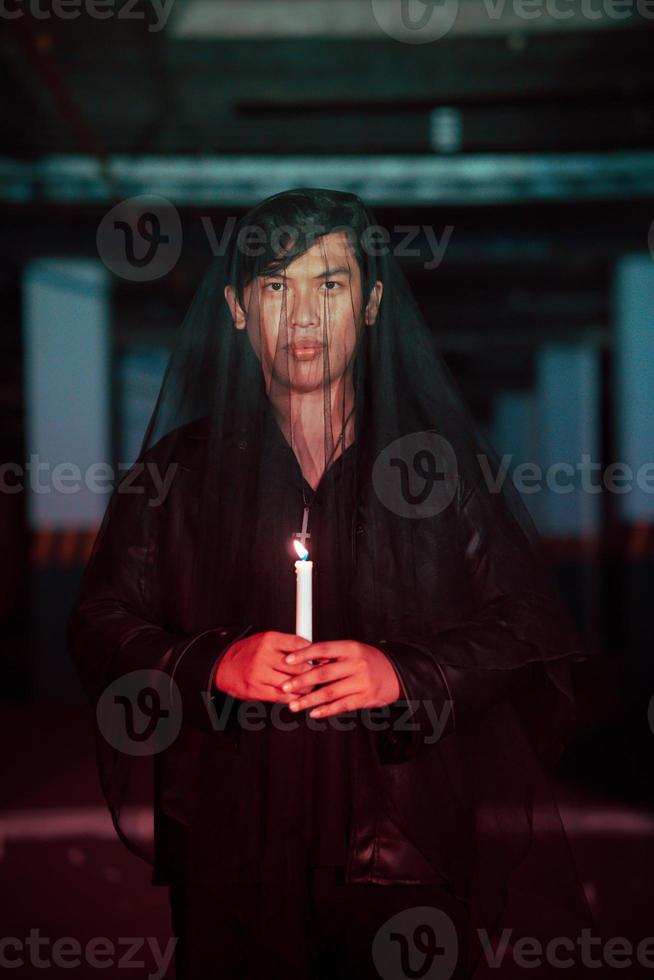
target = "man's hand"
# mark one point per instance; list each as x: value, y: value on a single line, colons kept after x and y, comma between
x: 253, y: 669
x: 356, y: 676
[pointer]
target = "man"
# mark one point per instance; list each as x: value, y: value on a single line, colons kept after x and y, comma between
x: 326, y: 805
x: 361, y: 675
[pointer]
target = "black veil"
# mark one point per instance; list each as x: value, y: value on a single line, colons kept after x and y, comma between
x: 445, y: 569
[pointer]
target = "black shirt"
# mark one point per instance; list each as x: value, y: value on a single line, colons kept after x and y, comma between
x: 307, y: 762
x: 285, y: 800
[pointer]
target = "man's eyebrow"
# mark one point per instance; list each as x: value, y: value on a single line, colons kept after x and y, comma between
x: 341, y: 270
x: 338, y: 271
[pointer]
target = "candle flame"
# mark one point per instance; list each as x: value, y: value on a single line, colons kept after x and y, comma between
x: 301, y: 550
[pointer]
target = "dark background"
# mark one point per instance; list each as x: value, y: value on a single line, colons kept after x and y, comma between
x: 532, y: 139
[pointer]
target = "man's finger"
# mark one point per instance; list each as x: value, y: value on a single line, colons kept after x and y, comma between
x: 331, y: 670
x: 285, y: 642
x: 289, y: 671
x: 294, y: 670
x: 300, y: 691
x: 324, y: 695
x: 328, y: 650
x: 350, y: 703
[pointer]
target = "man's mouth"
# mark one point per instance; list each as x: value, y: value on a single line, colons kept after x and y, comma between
x: 304, y: 351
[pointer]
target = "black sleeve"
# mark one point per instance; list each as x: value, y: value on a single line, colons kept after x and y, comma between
x: 451, y: 678
x: 116, y: 625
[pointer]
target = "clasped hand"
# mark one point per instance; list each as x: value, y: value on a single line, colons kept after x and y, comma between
x: 273, y: 666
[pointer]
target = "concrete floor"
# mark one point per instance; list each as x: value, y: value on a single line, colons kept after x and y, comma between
x: 65, y: 874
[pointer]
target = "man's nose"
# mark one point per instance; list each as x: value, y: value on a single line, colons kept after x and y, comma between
x: 306, y: 310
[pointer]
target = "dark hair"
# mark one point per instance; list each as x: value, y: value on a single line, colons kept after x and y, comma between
x: 288, y: 224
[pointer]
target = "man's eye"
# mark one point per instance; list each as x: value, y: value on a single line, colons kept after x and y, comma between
x: 331, y: 282
x: 272, y: 286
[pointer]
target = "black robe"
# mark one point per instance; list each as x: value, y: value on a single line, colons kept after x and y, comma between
x: 256, y: 815
x: 277, y: 813
x: 290, y: 790
x: 305, y: 770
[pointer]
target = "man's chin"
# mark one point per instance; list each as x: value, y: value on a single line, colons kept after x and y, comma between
x: 304, y: 378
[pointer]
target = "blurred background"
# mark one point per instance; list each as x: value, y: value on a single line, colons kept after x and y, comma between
x: 509, y: 150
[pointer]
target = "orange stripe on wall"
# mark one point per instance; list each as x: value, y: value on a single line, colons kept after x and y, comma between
x: 639, y: 540
x: 41, y: 548
x: 66, y: 548
x: 87, y: 545
x: 71, y: 547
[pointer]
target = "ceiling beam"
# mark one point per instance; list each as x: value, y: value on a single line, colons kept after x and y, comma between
x: 244, y: 180
x: 409, y: 21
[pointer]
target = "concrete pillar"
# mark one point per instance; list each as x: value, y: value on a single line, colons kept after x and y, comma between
x: 634, y: 382
x: 67, y: 390
x: 568, y: 426
x: 68, y: 444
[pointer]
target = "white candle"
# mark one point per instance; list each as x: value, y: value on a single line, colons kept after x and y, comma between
x: 303, y: 593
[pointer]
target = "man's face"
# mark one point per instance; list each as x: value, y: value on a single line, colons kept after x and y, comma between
x: 311, y: 310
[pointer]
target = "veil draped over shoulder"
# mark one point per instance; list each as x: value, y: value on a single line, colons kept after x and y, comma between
x: 307, y: 329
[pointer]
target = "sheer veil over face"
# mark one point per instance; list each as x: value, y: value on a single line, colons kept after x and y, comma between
x: 304, y: 323
x: 305, y: 338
